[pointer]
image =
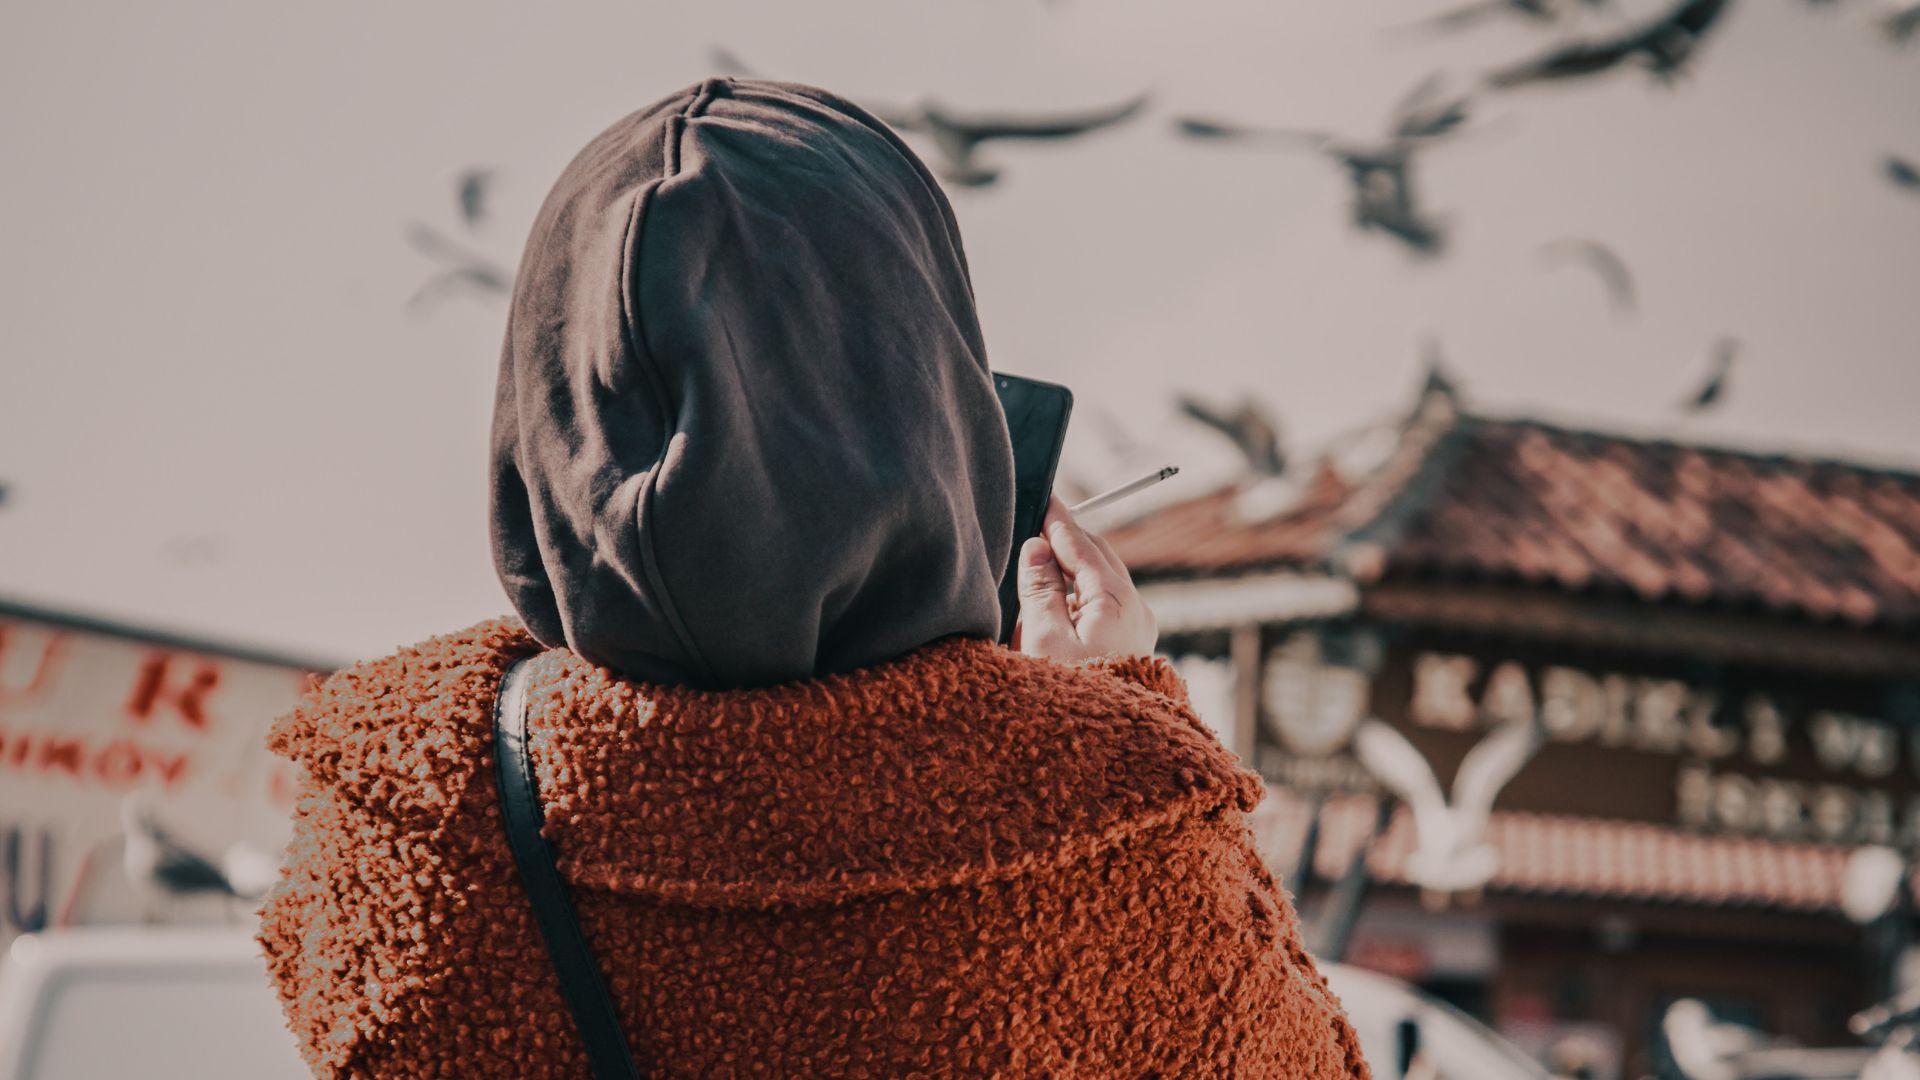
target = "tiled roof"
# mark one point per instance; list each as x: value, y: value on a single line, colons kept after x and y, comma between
x: 1528, y: 503
x: 1576, y: 857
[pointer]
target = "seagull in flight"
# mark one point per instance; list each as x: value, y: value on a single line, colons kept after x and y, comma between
x: 474, y: 185
x: 957, y: 134
x: 462, y: 268
x: 1605, y: 263
x: 1714, y: 390
x: 1379, y: 170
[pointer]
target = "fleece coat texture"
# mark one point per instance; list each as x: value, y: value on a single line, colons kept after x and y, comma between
x: 960, y: 862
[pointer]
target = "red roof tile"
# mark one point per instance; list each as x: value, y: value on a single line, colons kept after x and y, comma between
x: 1529, y: 503
x: 1577, y: 857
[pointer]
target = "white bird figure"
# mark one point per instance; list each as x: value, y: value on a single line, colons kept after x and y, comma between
x: 1703, y: 1047
x: 159, y: 867
x: 1451, y: 854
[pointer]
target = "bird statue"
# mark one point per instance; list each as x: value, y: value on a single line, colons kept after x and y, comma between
x: 1380, y: 171
x: 1451, y: 854
x: 1602, y: 260
x: 1714, y: 390
x: 464, y: 269
x: 474, y: 185
x: 958, y: 134
x: 1705, y: 1048
x: 160, y: 867
x: 1666, y: 46
x: 1901, y: 171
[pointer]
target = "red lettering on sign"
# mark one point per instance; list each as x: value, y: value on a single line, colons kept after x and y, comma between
x: 171, y: 767
x: 13, y: 749
x: 153, y: 689
x: 118, y: 763
x: 121, y: 763
x: 52, y: 649
x: 61, y: 755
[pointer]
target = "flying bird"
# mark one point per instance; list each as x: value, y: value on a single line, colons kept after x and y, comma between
x: 1451, y: 854
x: 1602, y: 260
x: 1901, y: 171
x: 159, y: 866
x: 1665, y: 46
x: 958, y: 134
x: 463, y: 269
x: 474, y: 186
x: 1252, y: 431
x: 1714, y: 389
x: 1380, y: 171
x: 1899, y: 19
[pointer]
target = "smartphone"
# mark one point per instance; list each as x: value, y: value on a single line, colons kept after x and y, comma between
x: 1037, y: 415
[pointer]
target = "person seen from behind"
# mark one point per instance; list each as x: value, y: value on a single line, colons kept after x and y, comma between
x: 752, y: 496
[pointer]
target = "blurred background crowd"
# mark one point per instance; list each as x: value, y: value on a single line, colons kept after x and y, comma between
x: 1541, y: 373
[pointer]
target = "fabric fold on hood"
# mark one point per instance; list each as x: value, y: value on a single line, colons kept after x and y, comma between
x: 744, y: 431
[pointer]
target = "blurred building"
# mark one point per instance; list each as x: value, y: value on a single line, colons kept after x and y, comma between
x: 1719, y: 647
x: 91, y: 711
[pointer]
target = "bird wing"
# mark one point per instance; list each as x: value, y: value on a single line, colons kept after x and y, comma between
x: 1693, y: 16
x: 723, y: 61
x: 1486, y: 769
x: 1900, y: 21
x: 435, y: 245
x: 1602, y: 260
x: 1902, y: 171
x: 1399, y: 767
x: 1208, y: 415
x: 1459, y: 18
x: 1205, y: 128
x: 481, y: 278
x: 977, y: 128
x: 1724, y: 351
x: 1580, y: 58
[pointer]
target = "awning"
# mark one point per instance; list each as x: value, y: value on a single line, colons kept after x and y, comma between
x: 1588, y: 858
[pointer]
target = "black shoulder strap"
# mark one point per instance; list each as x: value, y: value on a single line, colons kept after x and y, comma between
x: 580, y: 980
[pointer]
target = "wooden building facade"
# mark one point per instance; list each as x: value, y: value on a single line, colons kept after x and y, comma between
x: 1719, y: 650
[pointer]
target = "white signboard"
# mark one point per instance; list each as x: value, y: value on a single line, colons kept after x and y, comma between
x: 88, y: 716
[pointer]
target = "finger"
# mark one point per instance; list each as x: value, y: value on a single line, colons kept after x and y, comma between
x: 1057, y: 511
x: 1083, y: 561
x: 1043, y: 590
x: 1119, y: 565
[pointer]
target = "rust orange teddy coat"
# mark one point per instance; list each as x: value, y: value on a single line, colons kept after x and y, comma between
x: 962, y: 862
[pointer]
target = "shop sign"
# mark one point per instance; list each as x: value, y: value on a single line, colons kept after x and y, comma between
x: 1749, y: 761
x: 86, y: 718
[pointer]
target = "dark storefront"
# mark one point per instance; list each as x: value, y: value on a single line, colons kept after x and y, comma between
x: 1716, y: 655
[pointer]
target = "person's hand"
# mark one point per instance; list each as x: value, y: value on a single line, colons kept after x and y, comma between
x: 1077, y: 600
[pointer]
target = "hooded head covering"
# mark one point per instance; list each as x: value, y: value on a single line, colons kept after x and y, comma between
x: 744, y: 431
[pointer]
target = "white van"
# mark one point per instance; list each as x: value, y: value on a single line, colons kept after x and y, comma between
x: 111, y: 1002
x: 132, y: 1002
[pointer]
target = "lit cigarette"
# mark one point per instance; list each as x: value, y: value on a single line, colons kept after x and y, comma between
x: 1124, y: 490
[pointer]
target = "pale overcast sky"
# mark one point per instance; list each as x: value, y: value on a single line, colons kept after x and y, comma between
x: 216, y: 417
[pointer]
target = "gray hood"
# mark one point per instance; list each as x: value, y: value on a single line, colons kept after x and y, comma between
x: 744, y: 431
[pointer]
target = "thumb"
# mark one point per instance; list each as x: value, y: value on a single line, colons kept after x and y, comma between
x: 1043, y: 593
